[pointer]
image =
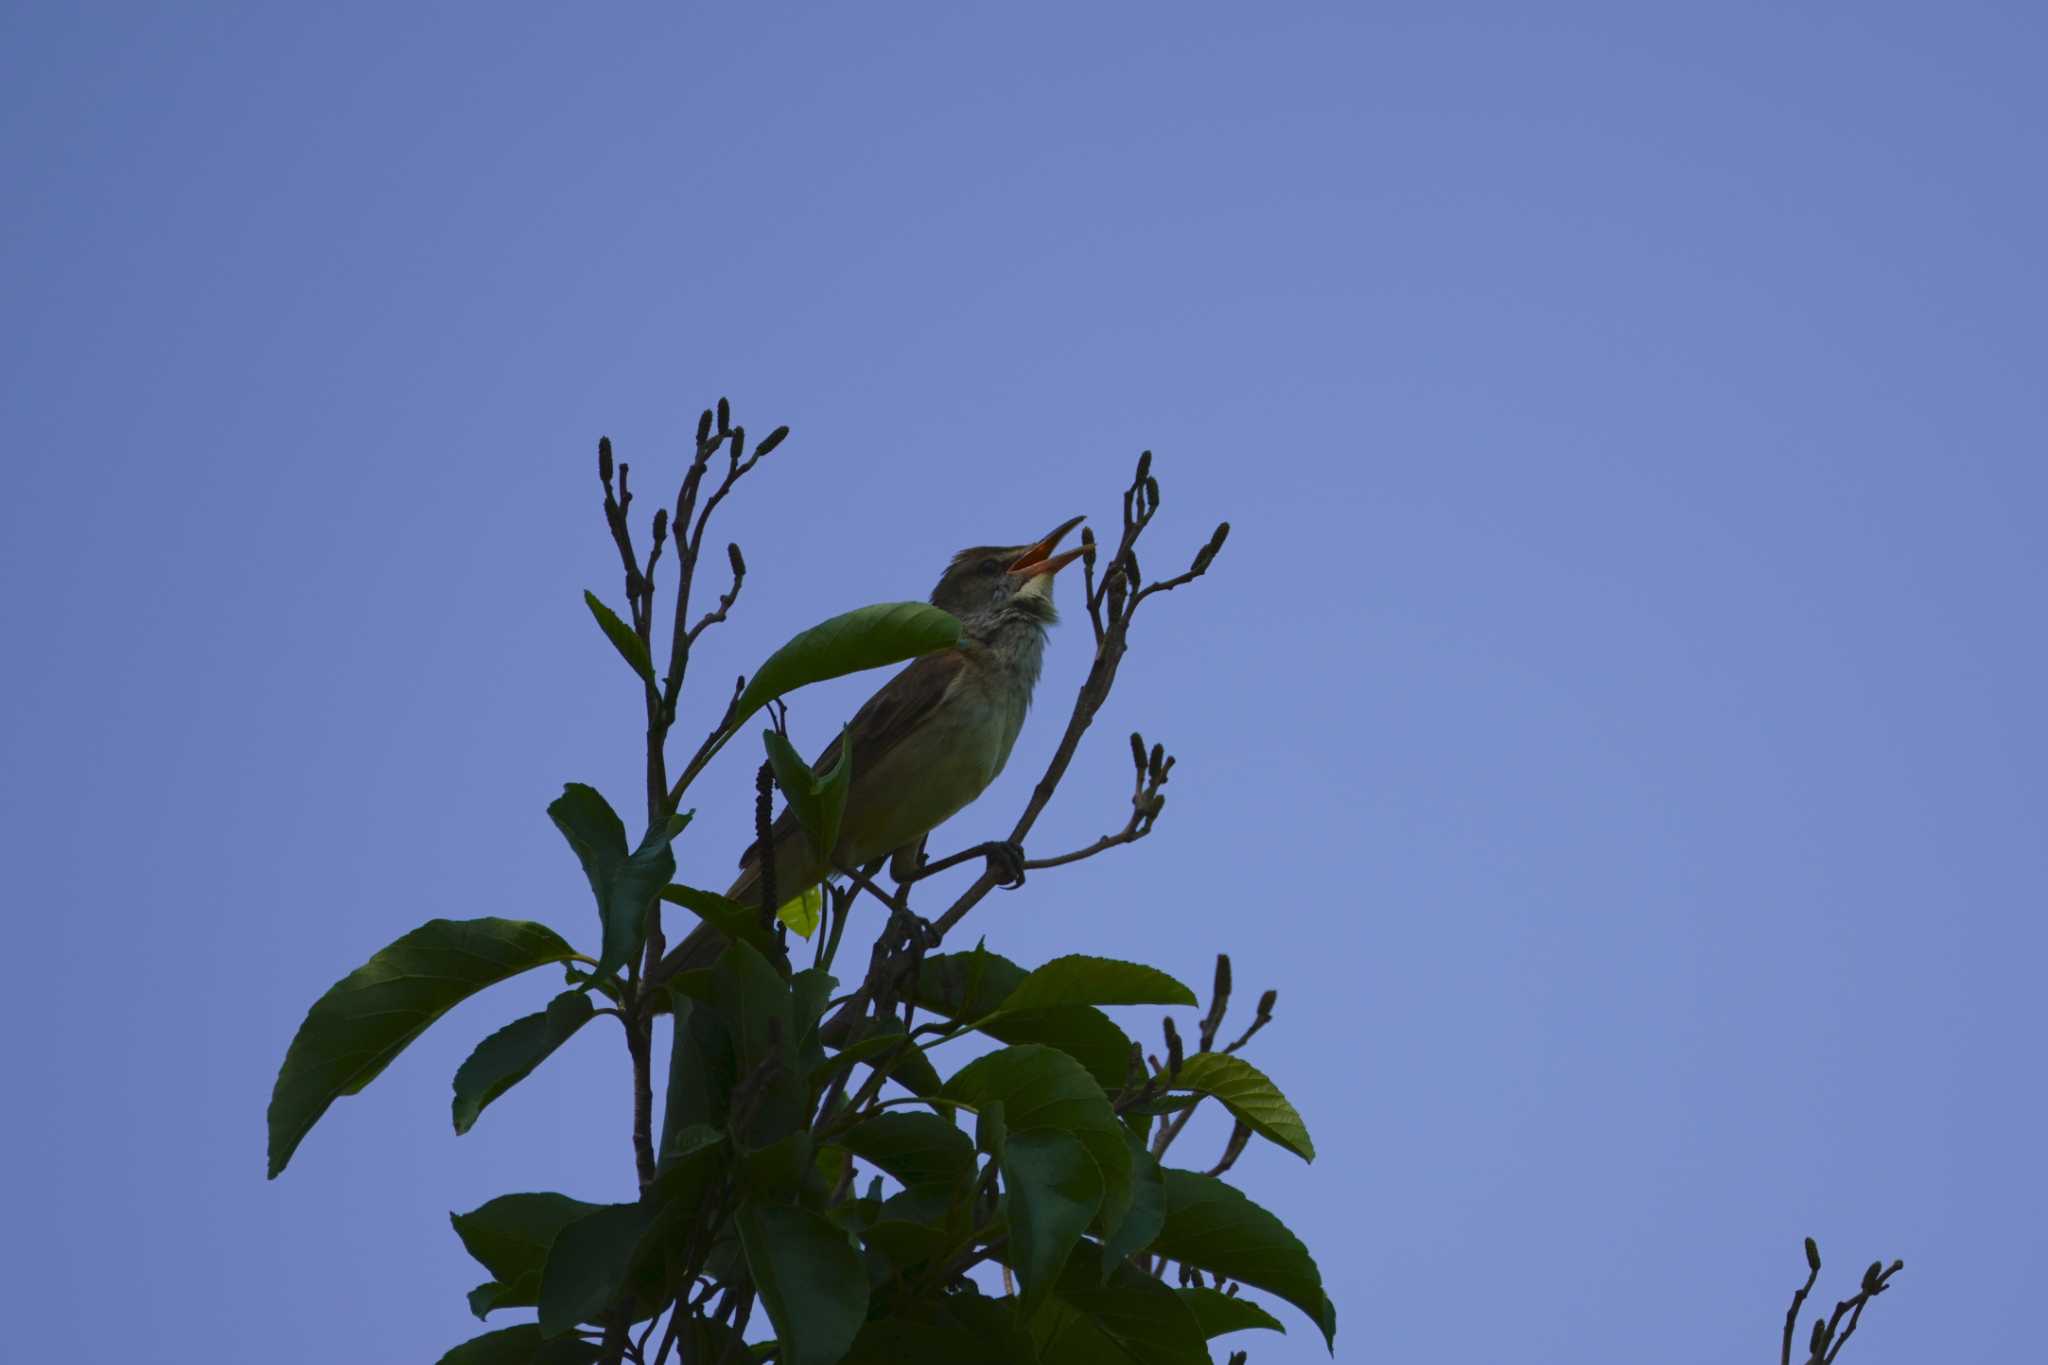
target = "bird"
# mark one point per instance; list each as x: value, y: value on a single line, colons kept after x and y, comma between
x: 932, y: 738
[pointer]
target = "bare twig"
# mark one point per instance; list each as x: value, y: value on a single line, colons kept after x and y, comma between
x: 1832, y: 1333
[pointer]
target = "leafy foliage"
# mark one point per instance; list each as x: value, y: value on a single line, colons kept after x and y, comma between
x: 813, y: 1156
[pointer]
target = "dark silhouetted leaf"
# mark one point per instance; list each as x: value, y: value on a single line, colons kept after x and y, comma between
x: 914, y: 1148
x: 1040, y: 1087
x: 1054, y: 1190
x: 625, y: 884
x: 510, y: 1237
x: 1081, y: 980
x: 1219, y: 1312
x: 522, y: 1345
x: 587, y: 1265
x: 728, y: 917
x: 368, y: 1017
x: 1148, y: 1207
x: 810, y: 1279
x: 508, y: 1056
x: 1212, y: 1225
x: 969, y: 986
x: 1126, y: 1319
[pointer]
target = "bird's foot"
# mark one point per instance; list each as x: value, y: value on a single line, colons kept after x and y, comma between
x: 1006, y: 860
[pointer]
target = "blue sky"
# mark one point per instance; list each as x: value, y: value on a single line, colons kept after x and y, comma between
x: 1614, y: 727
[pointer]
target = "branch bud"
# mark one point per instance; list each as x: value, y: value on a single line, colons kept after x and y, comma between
x: 1144, y: 467
x: 1812, y: 1254
x: 660, y: 526
x: 724, y: 417
x: 1138, y: 752
x: 704, y: 427
x: 770, y: 441
x: 732, y: 554
x: 604, y: 459
x: 1173, y: 1049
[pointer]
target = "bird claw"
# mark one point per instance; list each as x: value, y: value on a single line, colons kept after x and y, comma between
x: 1006, y: 860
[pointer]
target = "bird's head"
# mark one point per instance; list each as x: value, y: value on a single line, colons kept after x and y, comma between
x: 989, y: 585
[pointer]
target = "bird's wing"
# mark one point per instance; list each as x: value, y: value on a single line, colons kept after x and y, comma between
x: 881, y: 724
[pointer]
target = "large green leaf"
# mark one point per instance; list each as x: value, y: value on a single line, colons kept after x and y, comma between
x: 701, y: 1072
x: 510, y: 1237
x: 522, y: 1345
x: 1220, y: 1313
x: 508, y: 1056
x: 1054, y: 1189
x: 1211, y: 1225
x: 1248, y: 1095
x: 588, y: 1264
x: 810, y: 1279
x: 625, y: 884
x: 1081, y: 980
x: 969, y: 986
x: 1148, y: 1207
x: 1041, y: 1087
x: 758, y: 1009
x: 1128, y: 1318
x: 367, y: 1018
x: 728, y: 917
x: 867, y: 637
x: 631, y: 647
x: 961, y: 1329
x: 914, y: 1148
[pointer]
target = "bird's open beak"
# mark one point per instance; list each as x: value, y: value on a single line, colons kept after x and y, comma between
x: 1040, y: 559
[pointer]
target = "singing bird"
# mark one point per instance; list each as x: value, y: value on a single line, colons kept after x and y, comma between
x: 934, y: 737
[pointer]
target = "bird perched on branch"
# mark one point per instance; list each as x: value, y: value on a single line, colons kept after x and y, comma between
x: 933, y: 738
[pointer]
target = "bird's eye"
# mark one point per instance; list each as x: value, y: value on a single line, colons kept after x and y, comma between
x: 991, y: 565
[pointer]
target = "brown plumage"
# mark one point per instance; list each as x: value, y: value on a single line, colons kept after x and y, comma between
x: 935, y: 735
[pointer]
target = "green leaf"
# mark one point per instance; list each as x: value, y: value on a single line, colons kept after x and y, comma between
x: 1054, y: 1190
x: 738, y: 923
x: 758, y: 1009
x: 1220, y: 1313
x: 867, y: 637
x: 701, y: 1072
x: 508, y: 1056
x: 522, y: 1345
x: 1211, y: 1225
x: 631, y: 647
x: 1148, y: 1207
x: 914, y: 1148
x: 624, y: 884
x: 510, y: 1237
x: 1082, y: 980
x: 969, y: 987
x: 367, y: 1018
x: 802, y: 911
x: 919, y: 1223
x: 1040, y: 1087
x: 908, y: 1067
x: 819, y: 799
x: 1248, y: 1095
x: 588, y: 1263
x: 1126, y: 1318
x: 772, y: 1174
x: 810, y: 1279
